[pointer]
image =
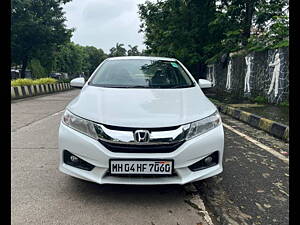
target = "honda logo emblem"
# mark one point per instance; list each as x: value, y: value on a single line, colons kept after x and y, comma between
x: 141, y: 136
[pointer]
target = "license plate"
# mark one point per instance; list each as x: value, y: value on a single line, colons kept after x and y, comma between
x: 141, y: 167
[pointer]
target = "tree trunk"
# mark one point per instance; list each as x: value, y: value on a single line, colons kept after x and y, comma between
x: 201, y: 71
x: 248, y: 21
x: 24, y: 66
x: 198, y: 70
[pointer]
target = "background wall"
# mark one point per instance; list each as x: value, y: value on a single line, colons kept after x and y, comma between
x: 260, y: 75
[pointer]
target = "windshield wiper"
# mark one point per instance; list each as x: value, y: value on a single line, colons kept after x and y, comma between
x: 129, y: 86
x: 181, y: 86
x: 139, y: 86
x: 133, y: 86
x: 176, y: 86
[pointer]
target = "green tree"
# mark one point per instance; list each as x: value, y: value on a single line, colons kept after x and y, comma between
x: 38, y: 71
x: 46, y: 58
x: 94, y: 58
x: 246, y: 23
x: 133, y: 51
x: 70, y: 59
x: 119, y: 50
x: 36, y: 26
x: 74, y: 59
x: 198, y: 31
x: 177, y: 28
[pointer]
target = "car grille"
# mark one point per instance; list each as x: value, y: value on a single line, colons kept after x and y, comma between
x: 149, y: 148
x: 124, y: 139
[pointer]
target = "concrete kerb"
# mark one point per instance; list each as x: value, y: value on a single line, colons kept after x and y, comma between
x: 33, y: 90
x: 272, y: 127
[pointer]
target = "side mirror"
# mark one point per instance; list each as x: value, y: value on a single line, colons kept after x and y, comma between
x: 205, y: 83
x: 77, y: 82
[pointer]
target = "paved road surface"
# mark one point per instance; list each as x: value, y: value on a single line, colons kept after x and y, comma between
x: 253, y: 189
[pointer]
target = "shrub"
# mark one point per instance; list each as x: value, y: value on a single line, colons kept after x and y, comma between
x: 46, y: 80
x: 37, y: 69
x: 22, y: 82
x: 284, y: 104
x: 260, y: 100
x: 64, y: 80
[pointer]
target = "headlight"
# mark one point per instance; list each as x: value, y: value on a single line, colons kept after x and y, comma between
x: 204, y: 125
x: 84, y: 126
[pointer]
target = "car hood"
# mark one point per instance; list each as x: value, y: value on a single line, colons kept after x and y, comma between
x: 141, y: 107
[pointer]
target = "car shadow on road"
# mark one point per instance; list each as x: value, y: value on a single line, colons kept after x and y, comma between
x: 125, y: 194
x: 126, y: 204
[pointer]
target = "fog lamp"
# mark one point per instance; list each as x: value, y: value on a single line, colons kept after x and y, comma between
x: 208, y: 160
x: 74, y: 159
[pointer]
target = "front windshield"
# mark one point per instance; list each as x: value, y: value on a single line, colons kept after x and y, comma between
x: 141, y: 73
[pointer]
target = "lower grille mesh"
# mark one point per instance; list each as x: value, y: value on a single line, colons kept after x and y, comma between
x: 141, y: 175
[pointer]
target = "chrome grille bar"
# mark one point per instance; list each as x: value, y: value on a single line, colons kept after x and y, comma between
x: 156, y: 137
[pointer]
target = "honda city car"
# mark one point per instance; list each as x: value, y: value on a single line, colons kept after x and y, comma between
x: 142, y: 121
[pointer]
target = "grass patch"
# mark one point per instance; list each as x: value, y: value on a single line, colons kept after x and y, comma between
x: 26, y: 81
x: 260, y: 100
x: 284, y: 104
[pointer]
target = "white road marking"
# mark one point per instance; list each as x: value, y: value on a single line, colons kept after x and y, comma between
x: 262, y: 146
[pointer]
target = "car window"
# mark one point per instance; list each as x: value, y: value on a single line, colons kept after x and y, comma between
x: 141, y: 73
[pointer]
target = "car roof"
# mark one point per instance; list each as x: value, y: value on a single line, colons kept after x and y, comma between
x: 141, y: 57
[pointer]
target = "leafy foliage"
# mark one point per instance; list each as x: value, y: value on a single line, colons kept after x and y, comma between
x: 37, y: 69
x: 94, y: 58
x: 41, y: 41
x: 197, y: 32
x: 284, y: 104
x: 69, y: 58
x: 64, y: 80
x: 75, y: 59
x: 26, y: 81
x: 118, y: 50
x: 36, y: 26
x: 260, y: 100
x: 133, y: 51
x: 179, y: 29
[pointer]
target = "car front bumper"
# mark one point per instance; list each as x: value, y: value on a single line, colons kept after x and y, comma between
x: 93, y: 152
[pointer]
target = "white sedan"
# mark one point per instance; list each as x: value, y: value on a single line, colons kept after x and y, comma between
x: 141, y: 120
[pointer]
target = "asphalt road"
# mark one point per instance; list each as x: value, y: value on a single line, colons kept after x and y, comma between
x: 254, y: 186
x: 253, y: 189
